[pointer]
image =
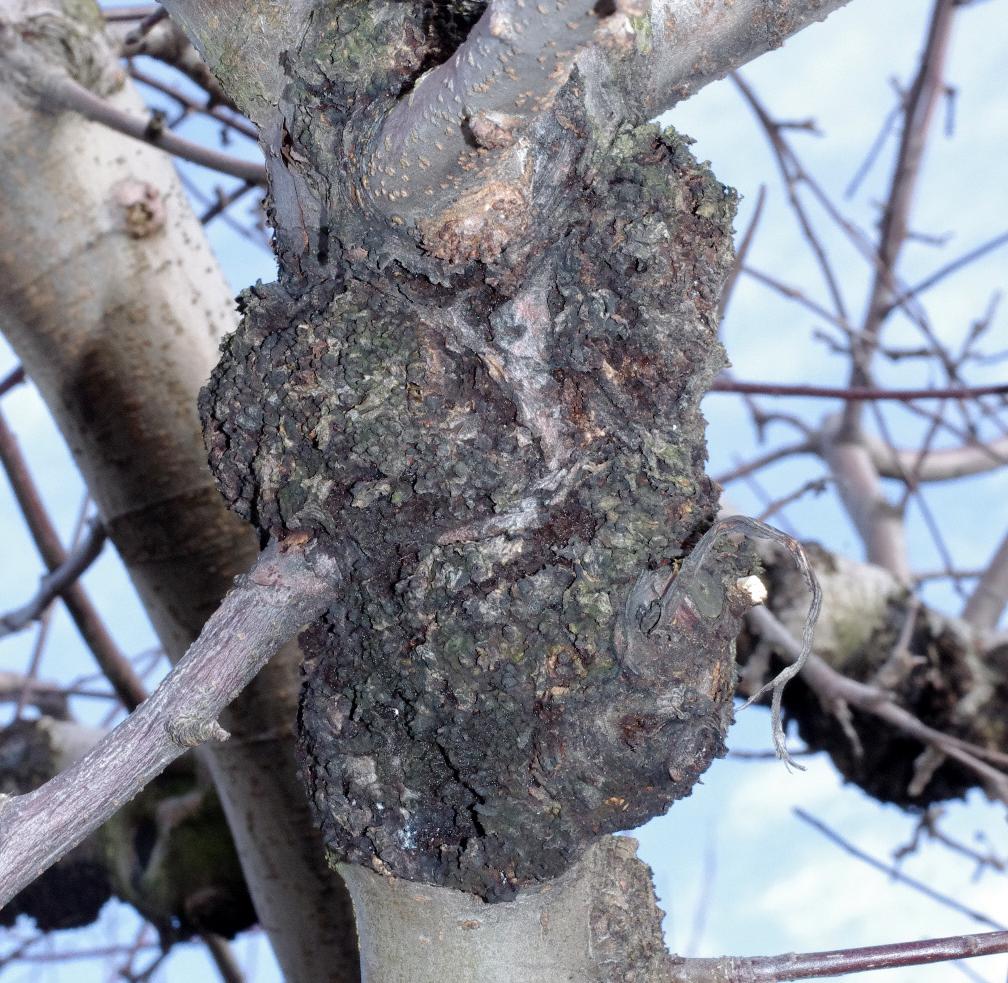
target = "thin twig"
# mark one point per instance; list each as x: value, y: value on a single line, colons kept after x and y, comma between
x: 56, y: 583
x: 112, y: 662
x: 745, y: 243
x: 62, y: 93
x: 12, y: 380
x: 838, y: 962
x: 895, y: 873
x: 852, y: 394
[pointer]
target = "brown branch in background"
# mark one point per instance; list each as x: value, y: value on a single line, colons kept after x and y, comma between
x: 58, y: 92
x: 765, y: 460
x: 793, y: 293
x: 815, y: 486
x: 741, y: 251
x: 230, y: 119
x: 129, y: 13
x: 792, y: 174
x: 225, y: 201
x: 49, y: 699
x: 165, y: 41
x: 45, y: 622
x: 853, y: 394
x: 154, y: 18
x: 12, y: 380
x: 838, y: 962
x: 895, y: 874
x: 112, y: 662
x: 949, y: 268
x: 223, y: 958
x: 56, y: 583
x: 874, y: 150
x: 921, y: 102
x: 836, y: 692
x: 289, y: 586
x: 927, y: 826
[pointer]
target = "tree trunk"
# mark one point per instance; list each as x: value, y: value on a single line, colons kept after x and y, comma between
x: 111, y: 297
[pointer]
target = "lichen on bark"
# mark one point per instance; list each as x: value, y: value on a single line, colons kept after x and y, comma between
x: 510, y: 432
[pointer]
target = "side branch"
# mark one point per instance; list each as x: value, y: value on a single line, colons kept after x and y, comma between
x: 59, y: 93
x: 689, y: 43
x: 838, y: 962
x: 289, y: 586
x: 444, y: 136
x: 856, y: 394
x: 57, y: 582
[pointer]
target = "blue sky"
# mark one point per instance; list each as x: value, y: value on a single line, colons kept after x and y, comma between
x: 773, y: 884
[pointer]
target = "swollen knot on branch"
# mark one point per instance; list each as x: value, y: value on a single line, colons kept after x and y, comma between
x: 191, y: 732
x: 696, y: 593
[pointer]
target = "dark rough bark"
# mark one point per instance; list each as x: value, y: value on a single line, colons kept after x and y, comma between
x: 168, y: 852
x: 504, y: 416
x: 943, y: 676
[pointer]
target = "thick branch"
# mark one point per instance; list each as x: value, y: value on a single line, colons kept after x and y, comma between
x: 128, y: 299
x: 598, y: 921
x: 286, y: 589
x: 937, y: 465
x: 242, y: 43
x: 990, y: 596
x: 689, y: 43
x: 461, y: 116
x: 878, y: 523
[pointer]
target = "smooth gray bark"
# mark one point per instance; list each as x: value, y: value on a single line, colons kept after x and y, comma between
x: 111, y: 296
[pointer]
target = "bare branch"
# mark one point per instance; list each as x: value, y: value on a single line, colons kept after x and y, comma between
x: 838, y: 962
x: 58, y: 581
x: 990, y: 596
x: 742, y: 250
x: 289, y: 586
x: 855, y: 394
x: 166, y: 42
x: 938, y: 465
x: 228, y: 118
x: 690, y: 43
x: 48, y: 698
x: 894, y: 873
x: 461, y: 125
x: 12, y: 380
x: 223, y: 958
x: 112, y: 662
x: 949, y: 268
x: 60, y: 93
x: 921, y: 102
